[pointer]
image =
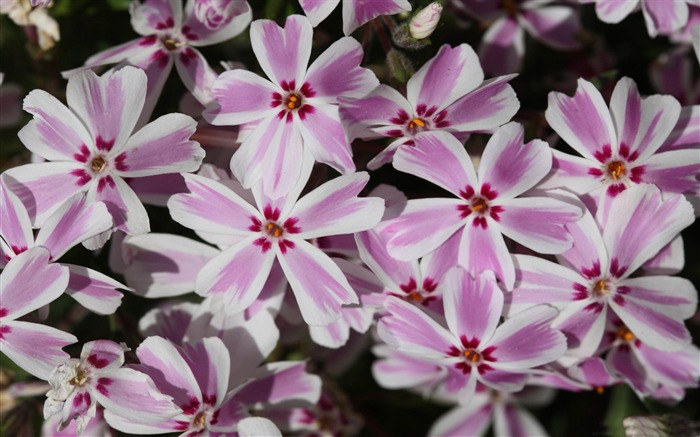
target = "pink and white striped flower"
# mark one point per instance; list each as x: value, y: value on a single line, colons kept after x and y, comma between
x: 296, y: 113
x: 92, y: 147
x: 197, y: 377
x: 507, y: 413
x: 355, y: 12
x: 277, y: 230
x: 621, y: 146
x: 651, y: 372
x: 596, y: 275
x: 486, y: 206
x: 71, y: 224
x: 475, y: 348
x: 447, y: 94
x: 503, y: 46
x: 661, y: 17
x: 29, y: 282
x: 171, y: 36
x: 78, y: 385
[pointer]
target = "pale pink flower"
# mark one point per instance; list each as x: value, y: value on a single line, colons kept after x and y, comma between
x: 92, y: 148
x: 296, y: 112
x: 487, y: 207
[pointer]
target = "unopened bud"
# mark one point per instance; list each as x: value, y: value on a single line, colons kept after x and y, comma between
x: 424, y: 22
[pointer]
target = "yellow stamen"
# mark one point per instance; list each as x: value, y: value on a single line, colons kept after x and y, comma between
x: 472, y: 355
x: 199, y: 420
x: 479, y: 204
x: 601, y: 287
x: 623, y: 333
x: 616, y: 169
x: 415, y: 296
x: 600, y: 389
x: 80, y: 378
x: 98, y: 164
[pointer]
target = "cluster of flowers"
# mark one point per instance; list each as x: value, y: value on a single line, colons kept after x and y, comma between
x: 578, y: 298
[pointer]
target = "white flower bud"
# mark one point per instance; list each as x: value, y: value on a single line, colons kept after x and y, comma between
x: 424, y: 22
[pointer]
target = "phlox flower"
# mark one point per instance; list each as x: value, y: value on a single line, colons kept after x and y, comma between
x: 78, y: 385
x: 486, y: 206
x: 96, y: 427
x: 503, y: 46
x: 26, y: 13
x: 355, y: 12
x: 196, y: 375
x: 662, y: 17
x: 650, y: 372
x: 296, y: 112
x: 171, y: 35
x: 28, y: 283
x: 277, y: 230
x: 72, y: 223
x: 628, y: 144
x: 92, y: 148
x: 447, y: 94
x: 597, y: 275
x: 507, y: 413
x: 475, y: 348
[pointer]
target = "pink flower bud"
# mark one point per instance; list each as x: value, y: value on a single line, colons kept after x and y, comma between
x: 424, y: 22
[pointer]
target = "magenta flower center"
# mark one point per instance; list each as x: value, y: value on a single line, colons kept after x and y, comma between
x: 601, y: 287
x: 414, y: 294
x: 480, y: 206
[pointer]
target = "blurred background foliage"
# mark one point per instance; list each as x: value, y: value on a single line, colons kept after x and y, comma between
x: 609, y: 52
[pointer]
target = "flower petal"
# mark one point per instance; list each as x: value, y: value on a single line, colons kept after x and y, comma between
x: 55, y: 133
x: 109, y: 105
x: 74, y: 222
x: 588, y: 255
x: 583, y: 323
x: 238, y: 272
x: 573, y: 173
x: 641, y: 224
x: 210, y: 361
x: 664, y: 18
x: 325, y: 138
x: 240, y: 97
x: 257, y: 426
x: 440, y: 158
x: 556, y: 26
x: 361, y: 116
x: 512, y: 166
x: 484, y: 249
x: 283, y: 381
x: 675, y: 171
x: 502, y: 47
x: 391, y: 272
x: 162, y: 146
x: 232, y: 214
x: 356, y: 13
x: 318, y: 10
x: 15, y: 226
x: 614, y: 11
x: 512, y: 420
x: 686, y: 133
x: 473, y: 305
x: 334, y: 208
x: 94, y: 290
x: 133, y: 394
x: 396, y: 370
x: 583, y: 121
x: 413, y: 331
x: 128, y: 213
x: 337, y: 73
x: 526, y: 340
x: 43, y: 187
x: 538, y: 281
x: 642, y: 124
x: 164, y: 265
x: 155, y: 15
x: 162, y: 361
x: 449, y: 75
x: 35, y: 348
x: 538, y: 223
x: 224, y: 25
x: 470, y: 419
x: 487, y: 107
x: 30, y: 282
x: 283, y: 52
x: 319, y: 285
